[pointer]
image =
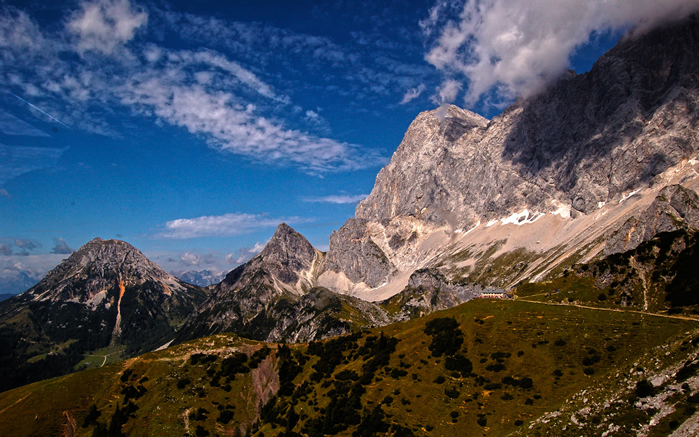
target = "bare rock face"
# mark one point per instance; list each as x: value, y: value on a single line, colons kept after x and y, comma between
x: 581, y: 144
x: 356, y: 254
x: 287, y: 254
x: 675, y: 208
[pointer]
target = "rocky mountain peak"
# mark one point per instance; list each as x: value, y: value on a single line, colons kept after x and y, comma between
x: 288, y: 247
x: 96, y: 266
x: 587, y: 141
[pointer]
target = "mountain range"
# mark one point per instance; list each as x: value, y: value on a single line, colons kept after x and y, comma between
x: 579, y: 202
x: 201, y: 278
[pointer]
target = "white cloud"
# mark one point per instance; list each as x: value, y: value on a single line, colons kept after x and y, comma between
x: 202, y: 91
x: 516, y: 46
x: 104, y: 25
x: 312, y: 116
x: 221, y: 225
x: 447, y: 92
x: 190, y: 258
x: 61, y: 247
x: 338, y: 199
x: 413, y: 94
x: 244, y: 254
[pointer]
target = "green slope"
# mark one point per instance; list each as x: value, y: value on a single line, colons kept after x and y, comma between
x: 526, y: 360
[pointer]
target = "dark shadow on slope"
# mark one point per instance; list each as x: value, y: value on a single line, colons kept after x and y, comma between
x: 584, y: 118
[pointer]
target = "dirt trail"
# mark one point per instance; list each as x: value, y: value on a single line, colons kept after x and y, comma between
x: 16, y: 402
x: 667, y: 316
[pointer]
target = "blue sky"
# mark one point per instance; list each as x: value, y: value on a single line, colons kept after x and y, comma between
x: 191, y: 129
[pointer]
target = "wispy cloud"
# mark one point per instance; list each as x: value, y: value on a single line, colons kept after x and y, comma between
x: 212, y: 96
x: 517, y: 47
x: 15, y: 161
x: 338, y: 199
x: 222, y: 225
x: 11, y: 125
x: 412, y: 94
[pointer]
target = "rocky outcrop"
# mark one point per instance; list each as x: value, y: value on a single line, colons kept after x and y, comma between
x: 357, y: 255
x: 428, y: 291
x: 675, y: 208
x: 581, y: 144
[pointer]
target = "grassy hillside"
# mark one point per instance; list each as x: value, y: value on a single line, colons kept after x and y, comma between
x: 483, y: 368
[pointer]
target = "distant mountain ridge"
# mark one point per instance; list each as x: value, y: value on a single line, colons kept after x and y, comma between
x: 18, y: 282
x: 201, y: 278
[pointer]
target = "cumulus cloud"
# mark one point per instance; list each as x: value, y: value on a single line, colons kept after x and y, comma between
x: 338, y: 199
x: 221, y: 225
x: 61, y: 247
x: 413, y: 94
x: 515, y: 47
x: 104, y: 25
x: 190, y: 259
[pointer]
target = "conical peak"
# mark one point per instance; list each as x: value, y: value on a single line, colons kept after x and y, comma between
x: 283, y: 229
x: 287, y: 243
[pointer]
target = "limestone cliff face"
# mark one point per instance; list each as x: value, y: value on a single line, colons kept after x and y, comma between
x: 675, y: 208
x: 582, y: 144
